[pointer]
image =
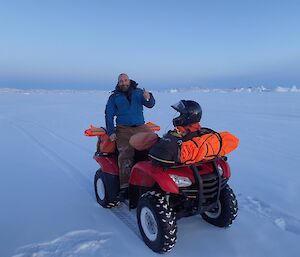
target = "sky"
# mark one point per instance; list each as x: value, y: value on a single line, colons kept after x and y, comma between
x: 79, y: 44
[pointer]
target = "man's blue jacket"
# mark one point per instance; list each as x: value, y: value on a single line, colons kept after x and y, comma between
x: 127, y: 107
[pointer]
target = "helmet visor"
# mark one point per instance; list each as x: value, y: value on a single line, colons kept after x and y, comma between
x: 180, y: 107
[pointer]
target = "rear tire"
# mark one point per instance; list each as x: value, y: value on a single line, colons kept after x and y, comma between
x: 226, y: 210
x: 101, y: 192
x: 157, y: 222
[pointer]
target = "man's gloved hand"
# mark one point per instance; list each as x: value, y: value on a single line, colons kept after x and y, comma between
x: 113, y: 137
x: 146, y: 95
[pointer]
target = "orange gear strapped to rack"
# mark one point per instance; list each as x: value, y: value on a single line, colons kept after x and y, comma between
x: 207, y: 147
x: 152, y: 126
x: 94, y: 131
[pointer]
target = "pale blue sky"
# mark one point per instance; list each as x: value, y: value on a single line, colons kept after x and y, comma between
x: 160, y: 44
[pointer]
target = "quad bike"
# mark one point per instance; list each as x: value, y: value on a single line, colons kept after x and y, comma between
x: 163, y: 195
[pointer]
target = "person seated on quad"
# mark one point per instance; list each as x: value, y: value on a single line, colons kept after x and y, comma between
x: 186, y: 126
x: 188, y: 142
x: 126, y: 104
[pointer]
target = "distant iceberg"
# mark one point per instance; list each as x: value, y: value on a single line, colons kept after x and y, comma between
x: 259, y: 89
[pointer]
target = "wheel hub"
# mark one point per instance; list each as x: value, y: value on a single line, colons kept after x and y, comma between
x: 149, y: 223
x: 215, y: 212
x: 100, y: 189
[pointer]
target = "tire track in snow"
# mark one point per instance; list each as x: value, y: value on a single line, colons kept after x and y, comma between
x: 57, y: 136
x: 127, y: 217
x: 280, y: 219
x: 69, y: 169
x: 121, y: 211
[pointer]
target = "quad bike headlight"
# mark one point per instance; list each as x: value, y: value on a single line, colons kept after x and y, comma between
x: 219, y: 169
x: 181, y: 181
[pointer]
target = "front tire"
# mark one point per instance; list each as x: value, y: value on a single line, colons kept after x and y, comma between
x: 226, y: 210
x: 101, y: 191
x: 157, y: 222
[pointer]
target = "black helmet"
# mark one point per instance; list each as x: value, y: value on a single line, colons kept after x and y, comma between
x: 190, y: 112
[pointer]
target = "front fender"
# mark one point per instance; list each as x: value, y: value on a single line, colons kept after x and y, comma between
x: 108, y: 164
x: 146, y: 174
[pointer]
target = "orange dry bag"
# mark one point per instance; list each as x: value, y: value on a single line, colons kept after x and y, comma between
x: 207, y: 147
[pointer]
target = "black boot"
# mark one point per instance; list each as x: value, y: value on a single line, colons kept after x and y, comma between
x: 123, y: 194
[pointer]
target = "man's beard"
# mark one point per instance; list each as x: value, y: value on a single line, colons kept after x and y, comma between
x: 124, y: 88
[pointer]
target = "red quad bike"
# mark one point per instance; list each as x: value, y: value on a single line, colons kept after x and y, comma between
x: 163, y: 195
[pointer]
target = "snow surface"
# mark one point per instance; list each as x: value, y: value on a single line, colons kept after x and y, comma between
x: 48, y: 206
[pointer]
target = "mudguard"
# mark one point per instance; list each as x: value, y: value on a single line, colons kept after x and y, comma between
x: 108, y: 164
x: 146, y: 174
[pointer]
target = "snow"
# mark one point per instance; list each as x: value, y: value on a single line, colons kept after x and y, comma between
x: 48, y: 206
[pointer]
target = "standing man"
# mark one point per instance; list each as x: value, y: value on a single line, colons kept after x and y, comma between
x: 126, y: 104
